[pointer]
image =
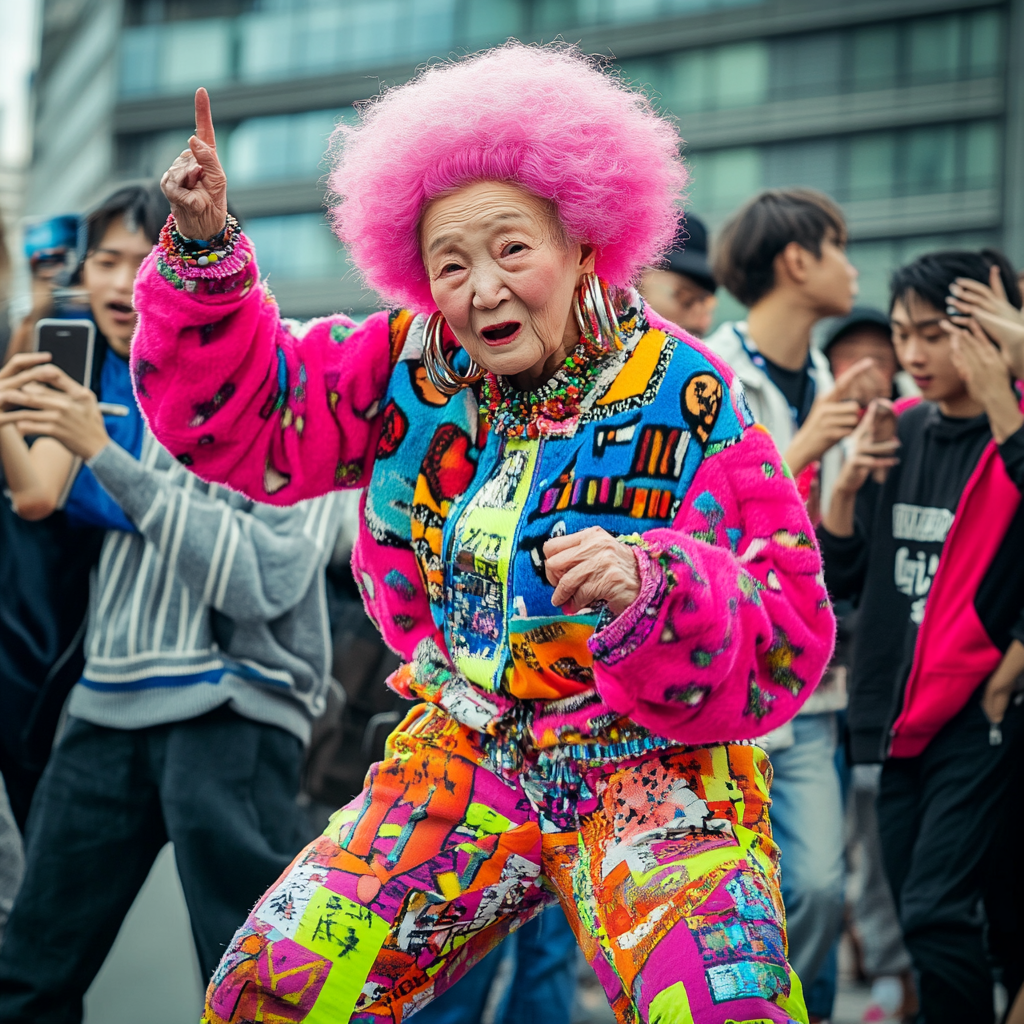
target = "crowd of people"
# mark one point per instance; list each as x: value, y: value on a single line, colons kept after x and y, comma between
x: 634, y: 582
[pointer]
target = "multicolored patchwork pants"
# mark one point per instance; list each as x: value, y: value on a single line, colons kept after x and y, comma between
x: 663, y: 863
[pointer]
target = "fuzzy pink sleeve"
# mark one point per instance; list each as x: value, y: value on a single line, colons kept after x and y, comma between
x: 732, y: 629
x: 274, y: 409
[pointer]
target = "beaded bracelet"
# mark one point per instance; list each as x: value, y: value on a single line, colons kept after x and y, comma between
x: 199, y: 257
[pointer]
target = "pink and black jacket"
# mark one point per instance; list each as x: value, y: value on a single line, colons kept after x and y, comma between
x: 935, y: 562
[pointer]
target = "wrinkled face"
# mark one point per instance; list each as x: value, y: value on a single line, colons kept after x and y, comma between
x: 680, y: 300
x: 504, y: 277
x: 108, y: 274
x: 924, y: 348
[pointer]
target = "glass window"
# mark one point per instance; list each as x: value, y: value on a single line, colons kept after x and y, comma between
x: 264, y: 50
x: 981, y: 155
x: 289, y: 146
x: 318, y: 43
x: 874, y: 55
x: 930, y: 160
x: 373, y: 30
x: 431, y: 28
x: 739, y: 74
x: 983, y: 50
x: 492, y: 22
x: 195, y: 53
x: 633, y: 10
x: 296, y: 246
x: 812, y: 164
x: 686, y: 81
x: 872, y: 166
x: 934, y: 49
x: 722, y: 180
x: 807, y: 65
x: 550, y: 16
x: 140, y: 60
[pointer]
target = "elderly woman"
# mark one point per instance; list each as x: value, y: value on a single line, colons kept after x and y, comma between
x: 594, y: 563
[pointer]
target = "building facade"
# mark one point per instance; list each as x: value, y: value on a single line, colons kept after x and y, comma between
x: 909, y: 112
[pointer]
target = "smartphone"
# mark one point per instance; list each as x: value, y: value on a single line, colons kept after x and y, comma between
x: 71, y: 343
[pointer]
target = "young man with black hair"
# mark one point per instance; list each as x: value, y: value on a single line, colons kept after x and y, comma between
x: 783, y: 255
x: 206, y: 661
x: 934, y: 556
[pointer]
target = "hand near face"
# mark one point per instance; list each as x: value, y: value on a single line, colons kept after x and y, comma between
x: 195, y: 184
x: 983, y: 370
x: 988, y: 305
x: 968, y: 296
x: 588, y: 567
x: 54, y: 406
x: 863, y: 383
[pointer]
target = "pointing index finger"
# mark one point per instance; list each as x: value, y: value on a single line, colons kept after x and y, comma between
x: 204, y: 119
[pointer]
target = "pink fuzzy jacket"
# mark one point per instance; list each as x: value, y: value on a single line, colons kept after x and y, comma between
x: 732, y: 628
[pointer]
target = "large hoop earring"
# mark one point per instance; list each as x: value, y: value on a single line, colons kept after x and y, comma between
x: 595, y: 313
x: 439, y: 370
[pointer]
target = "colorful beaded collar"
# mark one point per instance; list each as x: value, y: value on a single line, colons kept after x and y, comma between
x: 550, y: 408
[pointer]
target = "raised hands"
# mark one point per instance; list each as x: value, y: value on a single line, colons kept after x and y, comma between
x: 195, y: 184
x: 835, y: 414
x: 983, y: 370
x: 988, y: 305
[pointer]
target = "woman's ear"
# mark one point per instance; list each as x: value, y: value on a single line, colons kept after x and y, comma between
x: 588, y: 258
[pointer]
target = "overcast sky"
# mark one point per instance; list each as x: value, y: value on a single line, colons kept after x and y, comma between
x: 17, y: 57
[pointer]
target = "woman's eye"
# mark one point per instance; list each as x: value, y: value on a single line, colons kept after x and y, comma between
x: 512, y: 248
x: 450, y: 268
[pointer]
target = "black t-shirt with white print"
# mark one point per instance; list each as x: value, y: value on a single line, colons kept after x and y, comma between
x: 890, y: 562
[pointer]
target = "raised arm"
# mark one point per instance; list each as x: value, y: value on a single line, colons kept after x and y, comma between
x: 732, y: 627
x: 242, y: 397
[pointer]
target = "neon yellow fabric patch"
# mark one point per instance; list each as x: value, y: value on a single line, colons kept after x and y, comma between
x: 348, y: 935
x: 671, y: 1006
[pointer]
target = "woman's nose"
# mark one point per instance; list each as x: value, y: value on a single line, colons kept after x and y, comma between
x: 488, y: 290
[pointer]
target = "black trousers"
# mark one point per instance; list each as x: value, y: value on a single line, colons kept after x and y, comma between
x: 938, y: 816
x: 222, y: 788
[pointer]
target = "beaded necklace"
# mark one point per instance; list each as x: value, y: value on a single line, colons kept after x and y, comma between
x: 541, y: 410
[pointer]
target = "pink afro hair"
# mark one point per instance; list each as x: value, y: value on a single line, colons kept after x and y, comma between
x: 544, y: 117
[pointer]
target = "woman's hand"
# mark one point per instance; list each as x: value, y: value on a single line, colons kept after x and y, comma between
x: 983, y: 370
x: 196, y: 185
x: 588, y: 567
x: 54, y: 406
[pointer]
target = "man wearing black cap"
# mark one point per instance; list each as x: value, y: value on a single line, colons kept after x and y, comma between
x: 864, y: 333
x: 684, y: 291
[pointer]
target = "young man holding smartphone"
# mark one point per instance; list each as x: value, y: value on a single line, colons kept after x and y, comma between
x: 206, y: 660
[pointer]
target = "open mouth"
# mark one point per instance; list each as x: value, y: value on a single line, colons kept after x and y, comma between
x: 120, y: 309
x: 501, y: 334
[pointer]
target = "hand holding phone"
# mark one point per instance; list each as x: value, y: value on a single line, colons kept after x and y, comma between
x: 71, y: 344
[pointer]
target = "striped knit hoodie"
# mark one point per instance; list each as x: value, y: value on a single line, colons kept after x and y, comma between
x: 216, y: 599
